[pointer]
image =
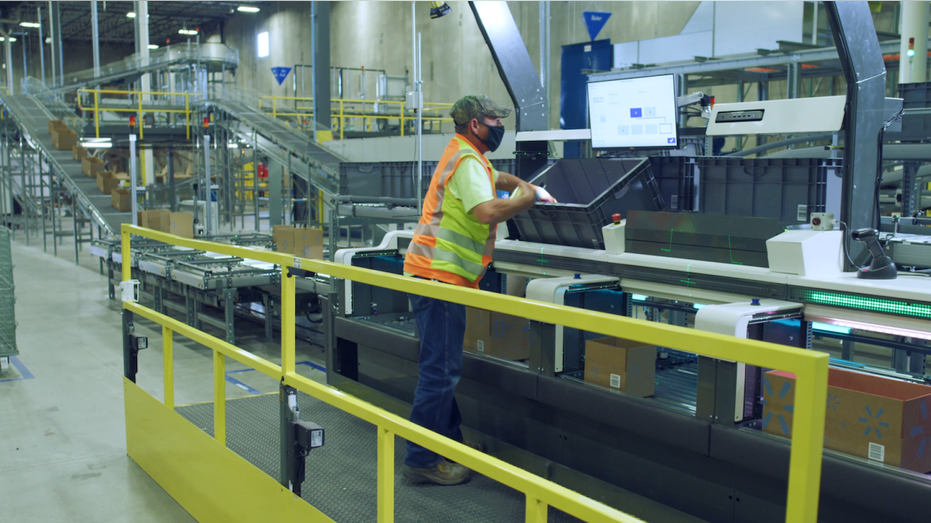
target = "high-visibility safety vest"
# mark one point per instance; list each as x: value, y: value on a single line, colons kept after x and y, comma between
x: 451, y: 245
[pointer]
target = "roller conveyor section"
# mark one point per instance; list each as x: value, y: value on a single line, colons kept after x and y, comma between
x: 33, y: 120
x: 273, y: 138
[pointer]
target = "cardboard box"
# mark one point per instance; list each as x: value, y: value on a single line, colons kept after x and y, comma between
x: 157, y: 220
x: 120, y: 199
x: 106, y: 182
x: 283, y: 236
x: 181, y: 224
x: 54, y: 124
x: 308, y: 243
x: 620, y: 364
x: 299, y: 241
x: 78, y: 153
x: 868, y: 416
x: 495, y: 334
x: 90, y: 165
x: 64, y: 139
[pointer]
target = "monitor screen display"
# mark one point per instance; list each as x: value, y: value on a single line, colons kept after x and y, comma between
x: 634, y: 113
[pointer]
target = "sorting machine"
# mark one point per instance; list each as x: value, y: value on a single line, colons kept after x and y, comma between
x: 696, y: 444
x: 186, y: 281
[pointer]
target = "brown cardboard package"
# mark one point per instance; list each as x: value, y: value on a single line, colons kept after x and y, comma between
x: 495, y: 334
x: 119, y: 198
x: 181, y: 224
x: 106, y: 182
x: 868, y: 416
x: 64, y: 139
x: 54, y: 124
x: 299, y: 241
x: 157, y: 220
x: 78, y: 153
x: 90, y: 165
x: 283, y: 236
x: 308, y: 243
x: 625, y: 365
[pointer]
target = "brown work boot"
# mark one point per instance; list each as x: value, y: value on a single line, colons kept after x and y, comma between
x: 443, y: 473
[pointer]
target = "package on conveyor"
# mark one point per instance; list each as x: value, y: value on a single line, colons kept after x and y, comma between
x: 177, y: 223
x: 91, y: 165
x: 119, y: 198
x: 78, y: 153
x: 873, y: 417
x: 496, y: 334
x: 299, y: 241
x: 620, y: 364
x: 106, y: 182
x: 63, y: 139
x: 54, y: 124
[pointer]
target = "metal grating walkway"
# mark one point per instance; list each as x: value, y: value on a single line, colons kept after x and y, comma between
x: 341, y: 476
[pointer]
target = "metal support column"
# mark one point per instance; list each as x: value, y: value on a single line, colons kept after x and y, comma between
x: 208, y: 189
x: 41, y: 45
x: 255, y: 178
x: 268, y: 307
x: 58, y: 57
x: 133, y: 177
x: 95, y: 40
x: 8, y: 60
x: 24, y: 200
x: 794, y: 80
x: 320, y: 14
x: 229, y: 308
x: 172, y: 194
x: 911, y: 189
x: 74, y: 225
x: 274, y: 194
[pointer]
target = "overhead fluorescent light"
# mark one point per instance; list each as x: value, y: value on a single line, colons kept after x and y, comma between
x: 131, y: 14
x: 232, y: 145
x: 48, y: 39
x: 96, y: 143
x: 29, y: 24
x: 153, y: 46
x: 247, y: 9
x: 4, y: 40
x: 190, y: 32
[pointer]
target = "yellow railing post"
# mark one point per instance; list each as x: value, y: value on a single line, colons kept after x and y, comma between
x: 275, y: 107
x: 219, y: 397
x: 126, y: 264
x: 168, y: 366
x: 342, y: 122
x: 536, y: 510
x: 96, y: 114
x: 140, y: 117
x: 385, y: 475
x: 807, y: 442
x: 287, y: 322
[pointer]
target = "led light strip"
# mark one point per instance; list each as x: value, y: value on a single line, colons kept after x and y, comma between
x: 865, y: 303
x: 871, y: 327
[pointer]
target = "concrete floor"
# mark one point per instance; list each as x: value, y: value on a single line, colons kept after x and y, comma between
x: 62, y: 432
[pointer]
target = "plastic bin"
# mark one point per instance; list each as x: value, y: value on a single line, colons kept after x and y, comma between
x: 676, y: 178
x: 589, y: 191
x: 787, y: 190
x: 916, y: 96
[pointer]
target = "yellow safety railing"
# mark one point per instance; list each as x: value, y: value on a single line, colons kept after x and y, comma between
x: 344, y: 113
x: 810, y: 368
x: 96, y: 109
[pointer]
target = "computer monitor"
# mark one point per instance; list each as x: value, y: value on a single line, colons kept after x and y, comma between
x: 639, y: 113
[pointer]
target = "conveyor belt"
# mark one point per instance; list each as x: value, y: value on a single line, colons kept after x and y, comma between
x: 278, y: 140
x: 341, y: 476
x: 31, y: 117
x: 678, y: 386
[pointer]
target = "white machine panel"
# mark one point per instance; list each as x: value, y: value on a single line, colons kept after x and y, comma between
x: 821, y: 114
x: 806, y: 253
x: 553, y: 290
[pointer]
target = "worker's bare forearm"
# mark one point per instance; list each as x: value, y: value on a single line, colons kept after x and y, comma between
x: 502, y: 209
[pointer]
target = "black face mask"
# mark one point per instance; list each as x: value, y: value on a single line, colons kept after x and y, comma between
x: 495, y: 135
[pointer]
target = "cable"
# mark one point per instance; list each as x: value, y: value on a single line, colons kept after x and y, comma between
x: 844, y: 243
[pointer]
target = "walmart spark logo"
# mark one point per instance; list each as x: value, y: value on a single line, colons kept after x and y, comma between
x: 873, y: 423
x: 917, y: 431
x: 786, y: 387
x: 832, y: 402
x: 499, y: 329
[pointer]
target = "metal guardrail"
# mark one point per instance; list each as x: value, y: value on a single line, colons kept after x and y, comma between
x: 141, y: 106
x: 7, y: 297
x: 810, y: 368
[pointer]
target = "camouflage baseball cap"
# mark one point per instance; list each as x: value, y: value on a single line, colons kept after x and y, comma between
x: 477, y: 106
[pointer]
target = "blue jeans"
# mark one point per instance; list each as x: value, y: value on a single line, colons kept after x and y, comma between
x: 442, y: 329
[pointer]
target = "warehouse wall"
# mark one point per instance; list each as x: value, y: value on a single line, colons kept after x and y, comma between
x: 455, y: 59
x: 78, y: 56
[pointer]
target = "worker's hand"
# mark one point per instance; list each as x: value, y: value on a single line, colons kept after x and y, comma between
x: 543, y: 195
x: 524, y: 196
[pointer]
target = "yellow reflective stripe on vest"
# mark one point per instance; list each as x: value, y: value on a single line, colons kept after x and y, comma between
x: 448, y: 261
x: 452, y: 237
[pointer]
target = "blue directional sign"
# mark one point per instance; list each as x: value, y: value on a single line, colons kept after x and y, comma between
x: 280, y: 73
x: 595, y: 22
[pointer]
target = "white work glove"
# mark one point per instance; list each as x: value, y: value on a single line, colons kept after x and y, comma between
x: 544, y: 196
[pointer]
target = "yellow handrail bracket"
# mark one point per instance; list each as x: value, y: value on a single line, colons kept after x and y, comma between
x: 810, y: 368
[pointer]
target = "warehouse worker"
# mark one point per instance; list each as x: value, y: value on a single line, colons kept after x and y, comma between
x: 453, y: 244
